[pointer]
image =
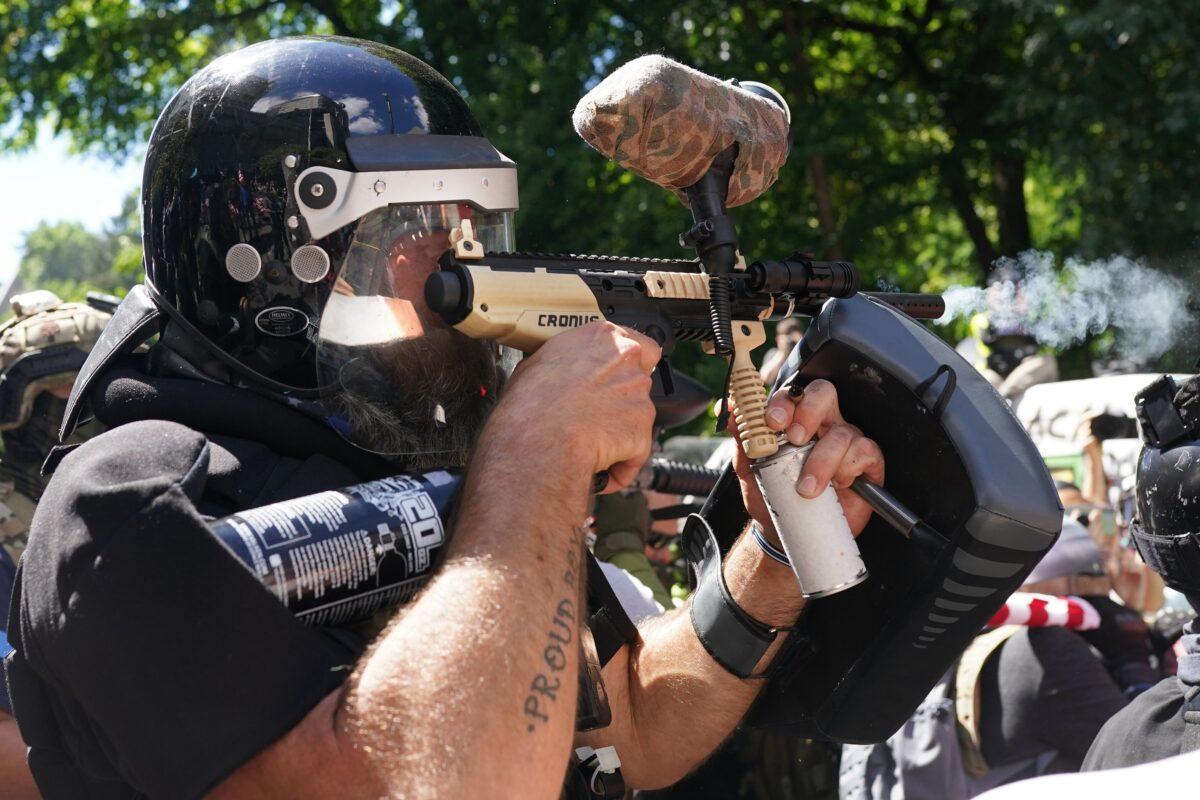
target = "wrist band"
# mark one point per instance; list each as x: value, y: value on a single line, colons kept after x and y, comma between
x: 735, y: 640
x: 768, y: 548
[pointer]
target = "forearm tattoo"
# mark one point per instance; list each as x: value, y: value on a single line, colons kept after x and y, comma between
x: 562, y: 635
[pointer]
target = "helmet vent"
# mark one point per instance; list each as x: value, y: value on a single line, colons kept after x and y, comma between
x: 243, y: 263
x: 310, y: 263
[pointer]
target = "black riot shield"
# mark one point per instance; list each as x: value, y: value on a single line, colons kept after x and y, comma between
x: 862, y: 660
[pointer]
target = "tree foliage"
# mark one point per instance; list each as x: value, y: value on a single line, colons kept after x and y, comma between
x: 930, y: 137
x: 70, y: 260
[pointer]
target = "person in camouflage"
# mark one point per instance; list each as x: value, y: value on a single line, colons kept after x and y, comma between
x: 42, y: 347
x: 622, y: 527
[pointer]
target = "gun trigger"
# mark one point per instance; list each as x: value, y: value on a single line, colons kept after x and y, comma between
x: 665, y: 378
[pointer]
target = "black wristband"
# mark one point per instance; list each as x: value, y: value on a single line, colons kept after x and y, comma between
x: 735, y: 640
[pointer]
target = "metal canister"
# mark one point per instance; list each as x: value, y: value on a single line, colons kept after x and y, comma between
x: 336, y: 557
x: 814, y: 532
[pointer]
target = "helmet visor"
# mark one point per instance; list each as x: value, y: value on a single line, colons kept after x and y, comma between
x: 399, y: 380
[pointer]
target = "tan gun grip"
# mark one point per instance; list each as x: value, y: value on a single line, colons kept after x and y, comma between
x: 747, y: 392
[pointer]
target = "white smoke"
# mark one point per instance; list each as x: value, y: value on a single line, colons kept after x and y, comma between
x: 1146, y: 309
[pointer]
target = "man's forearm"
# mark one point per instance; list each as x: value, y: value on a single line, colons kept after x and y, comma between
x: 480, y: 674
x: 1095, y: 481
x: 672, y: 688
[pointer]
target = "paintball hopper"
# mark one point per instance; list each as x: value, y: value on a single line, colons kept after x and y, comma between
x: 667, y: 122
x: 862, y: 660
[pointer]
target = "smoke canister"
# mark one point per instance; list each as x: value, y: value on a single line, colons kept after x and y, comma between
x: 337, y: 557
x: 814, y: 532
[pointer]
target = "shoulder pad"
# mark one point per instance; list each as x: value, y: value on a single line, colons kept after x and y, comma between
x: 66, y: 324
x: 29, y: 303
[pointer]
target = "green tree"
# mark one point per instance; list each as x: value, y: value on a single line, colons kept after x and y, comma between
x: 926, y: 132
x: 929, y: 137
x: 70, y: 260
x: 64, y: 257
x: 124, y: 234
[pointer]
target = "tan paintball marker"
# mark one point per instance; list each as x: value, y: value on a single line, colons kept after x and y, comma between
x: 709, y: 142
x: 714, y: 144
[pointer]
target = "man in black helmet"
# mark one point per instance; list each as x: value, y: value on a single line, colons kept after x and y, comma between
x: 1165, y: 720
x: 296, y: 196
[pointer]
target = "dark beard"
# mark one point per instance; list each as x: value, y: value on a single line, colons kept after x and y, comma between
x: 390, y: 396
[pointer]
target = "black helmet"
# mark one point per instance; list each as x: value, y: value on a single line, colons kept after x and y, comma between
x: 1166, y: 528
x: 295, y: 194
x: 1006, y: 346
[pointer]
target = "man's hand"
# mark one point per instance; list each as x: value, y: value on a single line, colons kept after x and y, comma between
x: 672, y: 703
x: 841, y: 453
x: 585, y: 392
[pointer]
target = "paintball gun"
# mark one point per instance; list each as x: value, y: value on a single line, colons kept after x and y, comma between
x: 965, y: 486
x: 523, y: 299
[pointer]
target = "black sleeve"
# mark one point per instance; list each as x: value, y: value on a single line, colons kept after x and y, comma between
x: 147, y: 647
x: 1063, y: 693
x: 1150, y: 728
x: 1124, y: 640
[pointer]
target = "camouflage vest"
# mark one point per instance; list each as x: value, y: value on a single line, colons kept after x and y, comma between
x: 16, y: 512
x: 41, y: 349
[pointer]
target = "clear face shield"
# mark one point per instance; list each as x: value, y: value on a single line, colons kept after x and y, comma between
x: 402, y: 381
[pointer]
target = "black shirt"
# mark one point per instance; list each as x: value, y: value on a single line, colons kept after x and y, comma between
x: 1044, y: 690
x: 148, y: 661
x: 1150, y: 728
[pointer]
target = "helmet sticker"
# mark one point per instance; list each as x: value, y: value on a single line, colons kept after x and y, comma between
x: 281, y: 321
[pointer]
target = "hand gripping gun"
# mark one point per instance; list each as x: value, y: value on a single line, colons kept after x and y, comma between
x: 965, y: 486
x: 522, y: 299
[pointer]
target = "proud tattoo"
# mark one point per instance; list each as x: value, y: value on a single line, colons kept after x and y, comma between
x: 560, y: 637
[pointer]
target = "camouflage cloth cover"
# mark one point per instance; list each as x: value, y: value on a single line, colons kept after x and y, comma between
x: 16, y: 512
x: 667, y: 122
x: 43, y: 328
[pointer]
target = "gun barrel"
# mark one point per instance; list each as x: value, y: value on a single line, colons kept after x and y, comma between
x: 677, y: 477
x: 917, y: 306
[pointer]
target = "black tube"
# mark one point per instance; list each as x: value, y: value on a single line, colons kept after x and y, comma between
x: 720, y: 312
x: 883, y: 503
x: 678, y: 477
x: 917, y: 306
x: 896, y: 514
x: 804, y: 278
x: 444, y: 293
x: 716, y: 243
x: 715, y: 239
